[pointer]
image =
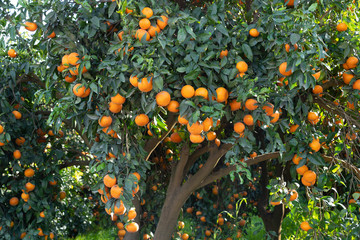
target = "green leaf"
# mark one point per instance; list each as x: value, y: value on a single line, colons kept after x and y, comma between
x: 313, y: 7
x: 247, y: 51
x: 112, y: 8
x: 181, y: 35
x: 294, y: 38
x: 94, y: 87
x: 95, y: 22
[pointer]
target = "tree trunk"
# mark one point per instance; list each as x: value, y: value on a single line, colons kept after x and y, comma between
x: 174, y: 201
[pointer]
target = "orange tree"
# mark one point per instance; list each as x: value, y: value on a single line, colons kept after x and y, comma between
x: 234, y: 83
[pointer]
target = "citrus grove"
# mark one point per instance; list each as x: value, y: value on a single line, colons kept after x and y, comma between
x: 184, y: 119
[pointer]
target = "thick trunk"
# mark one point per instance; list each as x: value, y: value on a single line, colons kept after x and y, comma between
x: 135, y: 236
x: 273, y: 221
x: 169, y: 214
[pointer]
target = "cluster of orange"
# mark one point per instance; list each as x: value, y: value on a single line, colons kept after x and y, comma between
x: 113, y: 190
x: 308, y: 176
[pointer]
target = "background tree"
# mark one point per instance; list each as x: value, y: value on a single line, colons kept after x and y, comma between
x: 238, y: 88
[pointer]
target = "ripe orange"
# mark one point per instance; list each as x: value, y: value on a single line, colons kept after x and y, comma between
x: 145, y: 85
x: 196, y: 138
x: 29, y: 172
x: 29, y: 187
x: 14, y: 201
x: 176, y: 138
x: 289, y: 3
x: 140, y: 34
x: 52, y: 35
x: 73, y: 58
x: 305, y: 226
x: 248, y: 120
x: 269, y: 109
x: 211, y: 136
x: 76, y: 71
x: 70, y: 79
x: 182, y: 120
x: 118, y: 99
x: 282, y: 69
x: 31, y: 26
x: 116, y: 191
x: 42, y: 214
x: 163, y: 98
x: 254, y: 32
x: 312, y: 116
x: 120, y: 225
x: 23, y: 235
x: 131, y: 214
x: 275, y: 117
x: 141, y: 120
x: 315, y: 145
x: 134, y: 81
x: 317, y: 89
x: 296, y: 159
x: 162, y: 23
x: 17, y: 154
x: 137, y: 175
x: 148, y: 12
x: 127, y: 11
x: 239, y: 127
x: 187, y: 91
x: 356, y: 84
x: 153, y: 30
x: 224, y: 53
x: 109, y: 181
x: 105, y: 121
x: 221, y: 94
x: 78, y: 90
x: 207, y: 124
x: 20, y: 141
x: 62, y: 195
x: 301, y: 170
x: 17, y: 114
x: 195, y: 128
x: 12, y: 53
x: 144, y: 23
x: 287, y: 47
x: 115, y: 108
x: 173, y: 106
x: 316, y: 75
x: 1, y: 129
x: 341, y: 27
x: 293, y: 195
x: 347, y: 77
x: 293, y: 128
x: 132, y: 227
x: 251, y: 104
x: 352, y: 62
x: 203, y: 92
x: 242, y: 66
x: 234, y: 105
x: 309, y: 176
x: 185, y: 236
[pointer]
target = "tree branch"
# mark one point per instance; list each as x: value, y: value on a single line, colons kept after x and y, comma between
x: 344, y: 164
x: 194, y: 156
x: 152, y: 144
x: 177, y: 177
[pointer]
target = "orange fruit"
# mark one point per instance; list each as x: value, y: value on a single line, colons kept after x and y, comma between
x: 127, y: 11
x: 115, y: 108
x: 17, y: 154
x: 141, y: 120
x: 131, y: 214
x: 211, y: 136
x: 207, y: 124
x: 221, y: 94
x: 163, y: 98
x: 293, y: 128
x: 20, y: 141
x: 317, y: 89
x: 187, y: 91
x: 60, y: 68
x: 22, y: 235
x: 140, y: 34
x: 173, y: 106
x: 275, y: 203
x: 196, y: 138
x: 251, y: 104
x: 275, y: 117
x: 31, y: 26
x: 144, y: 23
x: 109, y: 181
x: 62, y: 195
x: 17, y: 114
x: 287, y: 47
x: 134, y: 81
x: 316, y: 75
x: 145, y: 85
x: 203, y: 92
x: 312, y: 116
x: 14, y: 201
x: 118, y: 99
x: 162, y: 23
x: 242, y: 66
x: 153, y: 30
x: 185, y: 236
x: 239, y: 127
x: 289, y: 3
x: 234, y: 105
x: 1, y: 129
x: 25, y: 196
x: 347, y: 77
x: 52, y: 35
x: 182, y: 120
x: 269, y: 109
x: 248, y: 120
x: 341, y: 27
x: 116, y: 191
x: 29, y: 172
x: 352, y: 62
x: 301, y: 170
x: 70, y: 79
x: 29, y: 187
x: 315, y: 145
x: 137, y: 175
x: 293, y: 195
x: 217, y: 142
x: 305, y: 226
x: 309, y: 176
x: 120, y: 35
x: 51, y: 235
x: 73, y: 58
x: 175, y: 137
x: 195, y: 128
x: 41, y: 234
x: 254, y: 32
x: 120, y: 225
x: 76, y: 71
x: 224, y: 53
x: 132, y: 227
x: 296, y: 159
x: 78, y: 90
x: 356, y: 85
x: 148, y: 12
x: 12, y: 53
x: 105, y: 121
x: 282, y: 69
x: 42, y: 214
x: 65, y: 61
